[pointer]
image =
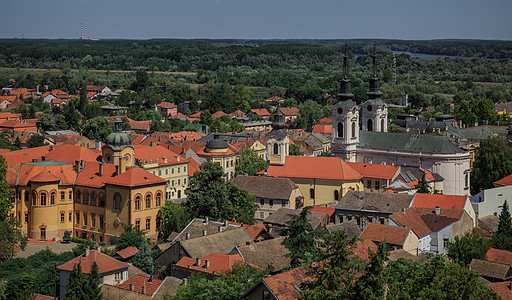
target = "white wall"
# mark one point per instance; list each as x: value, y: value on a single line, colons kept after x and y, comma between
x: 488, y: 202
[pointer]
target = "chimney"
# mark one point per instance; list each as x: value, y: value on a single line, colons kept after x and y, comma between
x: 100, y: 169
x: 150, y: 278
x: 206, y: 220
x: 248, y: 243
x: 34, y: 159
x: 206, y: 264
x: 220, y: 228
x: 131, y: 285
x: 51, y: 148
x: 144, y: 287
x: 225, y: 223
x: 122, y: 165
x: 438, y: 210
x: 204, y: 232
x: 77, y: 165
x: 43, y: 158
x: 87, y: 252
x: 198, y: 262
x: 187, y: 236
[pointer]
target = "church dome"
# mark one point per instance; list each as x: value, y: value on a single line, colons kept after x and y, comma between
x: 216, y: 144
x: 117, y: 140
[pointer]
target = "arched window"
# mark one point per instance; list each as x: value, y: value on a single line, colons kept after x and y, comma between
x: 312, y: 193
x: 382, y: 125
x: 93, y: 198
x: 42, y: 199
x: 148, y: 201
x: 336, y: 195
x: 353, y: 129
x: 158, y: 199
x: 117, y: 201
x: 340, y: 129
x: 86, y: 197
x: 77, y: 196
x: 276, y: 148
x: 137, y: 202
x: 370, y: 125
x: 52, y: 198
x: 101, y: 200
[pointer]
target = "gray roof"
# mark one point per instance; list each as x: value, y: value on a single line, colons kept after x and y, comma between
x: 350, y: 227
x: 224, y: 137
x: 58, y: 132
x: 281, y: 216
x: 266, y: 253
x: 266, y: 187
x: 407, y: 141
x: 375, y: 201
x: 222, y: 242
x: 346, y: 104
x: 169, y: 287
x: 490, y: 222
x: 490, y: 269
x: 197, y: 226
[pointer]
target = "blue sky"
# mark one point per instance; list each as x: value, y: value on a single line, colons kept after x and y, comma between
x: 258, y: 19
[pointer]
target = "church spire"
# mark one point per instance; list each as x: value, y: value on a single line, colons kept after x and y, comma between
x: 345, y: 81
x: 374, y: 91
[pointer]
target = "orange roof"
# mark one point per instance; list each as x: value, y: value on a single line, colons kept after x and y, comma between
x: 219, y: 262
x: 289, y: 111
x: 392, y: 234
x: 45, y: 172
x: 44, y: 176
x: 443, y: 201
x: 314, y: 167
x: 164, y: 156
x: 70, y: 153
x: 196, y: 115
x: 362, y: 248
x: 325, y: 120
x: 91, y: 94
x: 8, y: 98
x: 140, y: 125
x: 323, y: 128
x: 179, y: 116
x: 165, y: 104
x: 281, y: 284
x: 5, y: 115
x: 503, y: 289
x: 128, y: 252
x: 193, y: 166
x: 187, y: 135
x: 16, y: 124
x: 252, y: 230
x: 423, y: 220
x: 328, y: 210
x: 237, y: 113
x: 218, y: 114
x: 374, y: 170
x: 41, y: 297
x: 139, y: 281
x: 89, y: 176
x: 504, y: 181
x: 261, y: 112
x: 135, y: 177
x: 499, y: 256
x: 105, y: 263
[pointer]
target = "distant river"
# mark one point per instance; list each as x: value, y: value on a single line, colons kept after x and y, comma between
x: 429, y: 56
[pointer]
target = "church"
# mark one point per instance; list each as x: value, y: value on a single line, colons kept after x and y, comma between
x: 369, y: 142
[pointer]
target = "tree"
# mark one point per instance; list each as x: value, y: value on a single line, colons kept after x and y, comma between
x: 94, y: 283
x: 98, y: 128
x: 130, y: 237
x: 77, y: 288
x: 82, y: 100
x: 311, y: 112
x: 371, y: 284
x: 294, y: 150
x: 394, y: 128
x: 6, y: 192
x: 301, y: 238
x: 502, y: 239
x: 422, y: 187
x: 209, y: 194
x: 493, y: 161
x: 174, y: 218
x: 24, y: 287
x: 141, y: 80
x: 471, y: 245
x: 325, y: 154
x: 249, y: 163
x: 143, y: 260
x: 35, y: 140
x: 11, y: 238
x: 46, y: 122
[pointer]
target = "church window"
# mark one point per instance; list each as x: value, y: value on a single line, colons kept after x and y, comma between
x: 370, y: 124
x: 382, y: 125
x: 336, y: 195
x: 52, y: 198
x: 353, y: 129
x: 42, y: 199
x: 148, y: 201
x: 137, y: 203
x: 276, y: 148
x: 158, y: 199
x: 340, y: 129
x: 117, y: 201
x: 312, y: 193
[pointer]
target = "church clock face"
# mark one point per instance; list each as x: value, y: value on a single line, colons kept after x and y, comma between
x: 127, y: 157
x: 108, y: 158
x: 369, y: 108
x: 340, y: 110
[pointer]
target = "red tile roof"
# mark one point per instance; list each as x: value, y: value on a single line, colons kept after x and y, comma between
x: 196, y: 115
x: 323, y: 128
x: 443, y: 201
x: 328, y: 210
x: 135, y: 177
x: 70, y: 153
x: 218, y: 262
x: 374, y: 170
x: 314, y: 167
x: 238, y: 113
x: 392, y: 234
x: 325, y: 120
x: 424, y: 220
x: 42, y: 297
x: 362, y: 249
x: 140, y: 125
x: 44, y: 176
x: 127, y: 252
x: 289, y: 111
x: 252, y: 230
x: 504, y: 181
x: 166, y: 104
x: 146, y: 153
x: 499, y: 256
x: 503, y: 289
x: 105, y: 263
x: 89, y: 176
x: 139, y: 281
x: 281, y: 284
x: 218, y: 114
x: 45, y: 173
x: 260, y: 112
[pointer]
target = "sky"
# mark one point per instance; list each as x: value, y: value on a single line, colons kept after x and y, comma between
x: 258, y: 19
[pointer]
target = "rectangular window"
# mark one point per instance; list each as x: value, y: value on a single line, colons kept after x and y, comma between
x: 101, y: 222
x: 159, y: 172
x: 262, y: 215
x: 62, y: 196
x: 172, y: 183
x: 377, y: 184
x: 77, y: 221
x: 62, y: 217
x: 184, y: 181
x: 166, y: 171
x: 184, y: 169
x: 69, y: 217
x: 369, y: 184
x: 154, y: 172
x: 179, y: 181
x: 26, y: 217
x: 93, y: 220
x: 262, y: 201
x: 271, y: 202
x: 445, y: 242
x: 148, y: 224
x: 85, y: 219
x: 179, y: 170
x: 283, y: 203
x: 137, y: 224
x: 172, y: 170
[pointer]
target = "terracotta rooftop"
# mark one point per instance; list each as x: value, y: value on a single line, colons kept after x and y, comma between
x: 314, y: 167
x: 105, y: 263
x: 503, y: 289
x: 218, y: 114
x: 289, y: 111
x: 260, y: 112
x: 322, y: 209
x: 392, y: 234
x: 138, y: 282
x: 164, y: 156
x: 424, y: 220
x: 219, y: 262
x: 71, y: 153
x: 443, y: 201
x: 127, y: 252
x: 499, y: 256
x: 323, y: 128
x: 374, y: 170
x: 166, y: 104
x: 135, y: 176
x: 283, y: 285
x: 504, y: 181
x: 252, y: 230
x: 45, y: 171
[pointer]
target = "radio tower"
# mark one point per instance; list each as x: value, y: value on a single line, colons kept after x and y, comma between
x: 394, y: 67
x: 81, y: 31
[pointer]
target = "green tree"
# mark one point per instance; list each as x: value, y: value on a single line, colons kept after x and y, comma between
x: 82, y: 98
x: 130, y: 237
x: 325, y: 154
x: 77, y: 288
x: 493, y: 161
x: 6, y: 192
x: 98, y: 128
x: 10, y: 237
x: 143, y: 260
x: 371, y: 284
x: 46, y: 122
x: 301, y: 238
x: 249, y: 163
x: 209, y: 194
x: 387, y: 75
x: 92, y: 110
x: 35, y: 140
x: 502, y: 239
x: 311, y: 112
x: 294, y: 150
x: 174, y: 218
x: 471, y: 245
x: 141, y: 81
x: 422, y: 187
x: 72, y: 116
x: 24, y: 287
x: 394, y: 128
x: 95, y: 283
